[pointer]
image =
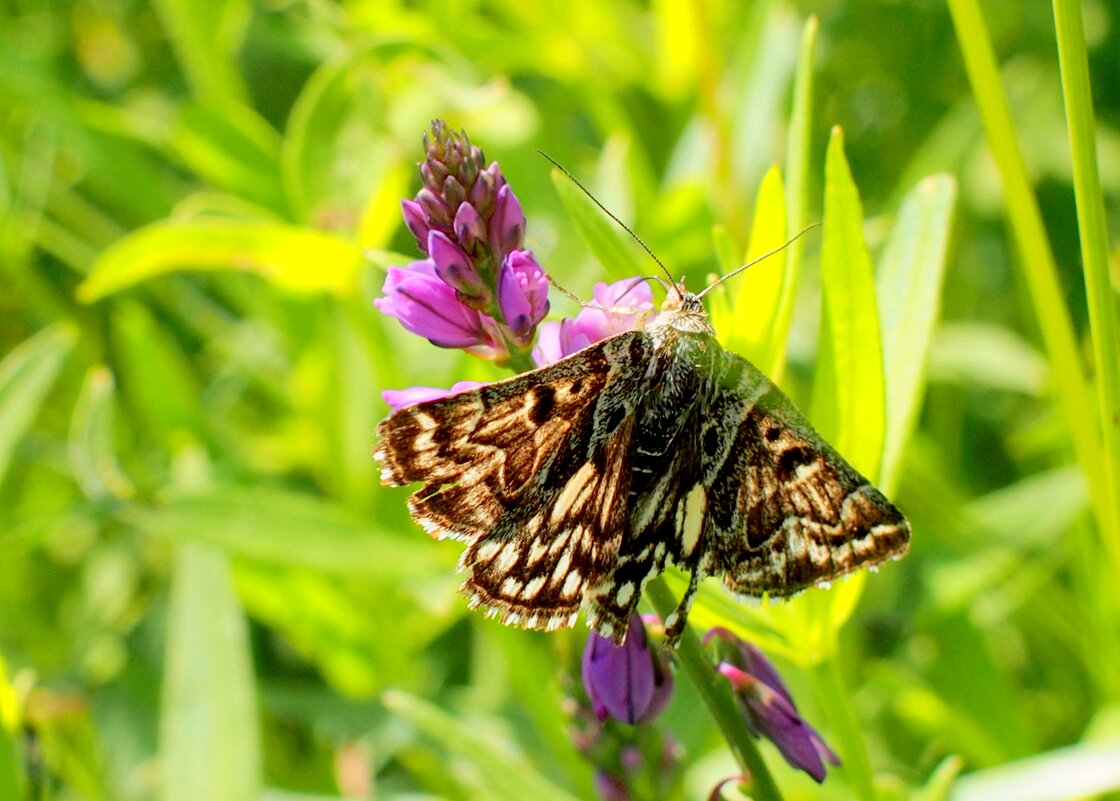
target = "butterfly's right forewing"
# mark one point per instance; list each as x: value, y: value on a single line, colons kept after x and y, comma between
x: 786, y: 511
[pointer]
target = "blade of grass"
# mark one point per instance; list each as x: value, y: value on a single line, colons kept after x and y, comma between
x: 797, y: 194
x: 911, y: 270
x: 1037, y: 260
x: 507, y: 773
x: 26, y: 376
x: 209, y: 740
x: 1093, y: 230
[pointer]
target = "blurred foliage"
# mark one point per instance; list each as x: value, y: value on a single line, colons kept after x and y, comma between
x: 204, y: 591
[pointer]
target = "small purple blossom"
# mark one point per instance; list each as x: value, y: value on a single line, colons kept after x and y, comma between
x: 430, y: 308
x: 522, y: 294
x: 456, y: 269
x: 417, y: 222
x: 507, y: 225
x: 621, y: 305
x: 768, y: 705
x: 629, y: 682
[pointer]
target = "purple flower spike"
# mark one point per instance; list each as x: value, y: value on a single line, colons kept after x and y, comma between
x: 417, y: 222
x: 629, y: 682
x: 522, y: 294
x: 455, y: 268
x: 769, y: 708
x: 507, y: 225
x: 428, y: 307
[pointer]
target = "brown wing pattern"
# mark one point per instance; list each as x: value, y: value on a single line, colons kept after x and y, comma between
x: 531, y: 472
x: 785, y: 510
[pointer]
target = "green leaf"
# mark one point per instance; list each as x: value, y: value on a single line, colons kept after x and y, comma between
x: 336, y: 157
x: 156, y: 376
x: 206, y: 38
x: 940, y: 783
x: 293, y: 258
x: 209, y: 739
x: 618, y: 256
x: 910, y: 275
x: 508, y: 774
x: 848, y: 405
x: 288, y: 528
x: 1088, y: 769
x: 91, y: 447
x: 26, y: 376
x: 234, y: 149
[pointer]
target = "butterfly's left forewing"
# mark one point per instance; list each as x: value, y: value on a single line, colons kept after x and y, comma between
x: 533, y: 472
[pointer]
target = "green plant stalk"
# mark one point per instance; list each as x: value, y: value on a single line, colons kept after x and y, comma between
x: 1039, y: 267
x: 1093, y: 231
x: 717, y: 696
x: 835, y: 700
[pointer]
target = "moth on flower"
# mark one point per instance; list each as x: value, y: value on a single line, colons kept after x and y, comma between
x: 575, y: 483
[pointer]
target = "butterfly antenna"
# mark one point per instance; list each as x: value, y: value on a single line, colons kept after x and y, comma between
x: 610, y: 214
x: 756, y: 260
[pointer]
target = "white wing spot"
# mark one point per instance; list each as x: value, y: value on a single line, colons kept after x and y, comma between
x: 571, y: 585
x: 690, y: 518
x: 572, y: 491
x: 487, y: 551
x: 624, y: 594
x: 532, y: 588
x: 508, y: 557
x: 510, y: 587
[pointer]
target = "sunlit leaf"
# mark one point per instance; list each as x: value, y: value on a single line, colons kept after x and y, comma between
x: 292, y: 258
x: 848, y: 401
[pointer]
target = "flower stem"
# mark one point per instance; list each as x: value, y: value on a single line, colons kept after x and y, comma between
x: 717, y: 696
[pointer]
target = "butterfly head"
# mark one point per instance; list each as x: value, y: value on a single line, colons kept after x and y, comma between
x: 684, y: 311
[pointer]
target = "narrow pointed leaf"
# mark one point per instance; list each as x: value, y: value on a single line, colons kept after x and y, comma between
x: 911, y: 271
x: 209, y: 738
x: 26, y: 376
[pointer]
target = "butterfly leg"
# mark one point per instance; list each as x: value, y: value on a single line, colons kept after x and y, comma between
x: 676, y: 621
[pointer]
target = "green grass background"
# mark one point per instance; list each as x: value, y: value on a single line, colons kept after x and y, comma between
x: 205, y: 595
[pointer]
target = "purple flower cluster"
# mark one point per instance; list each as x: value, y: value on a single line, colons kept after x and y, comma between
x: 768, y: 705
x: 477, y: 289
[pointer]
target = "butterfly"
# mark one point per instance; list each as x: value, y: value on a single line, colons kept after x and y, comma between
x: 574, y: 484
